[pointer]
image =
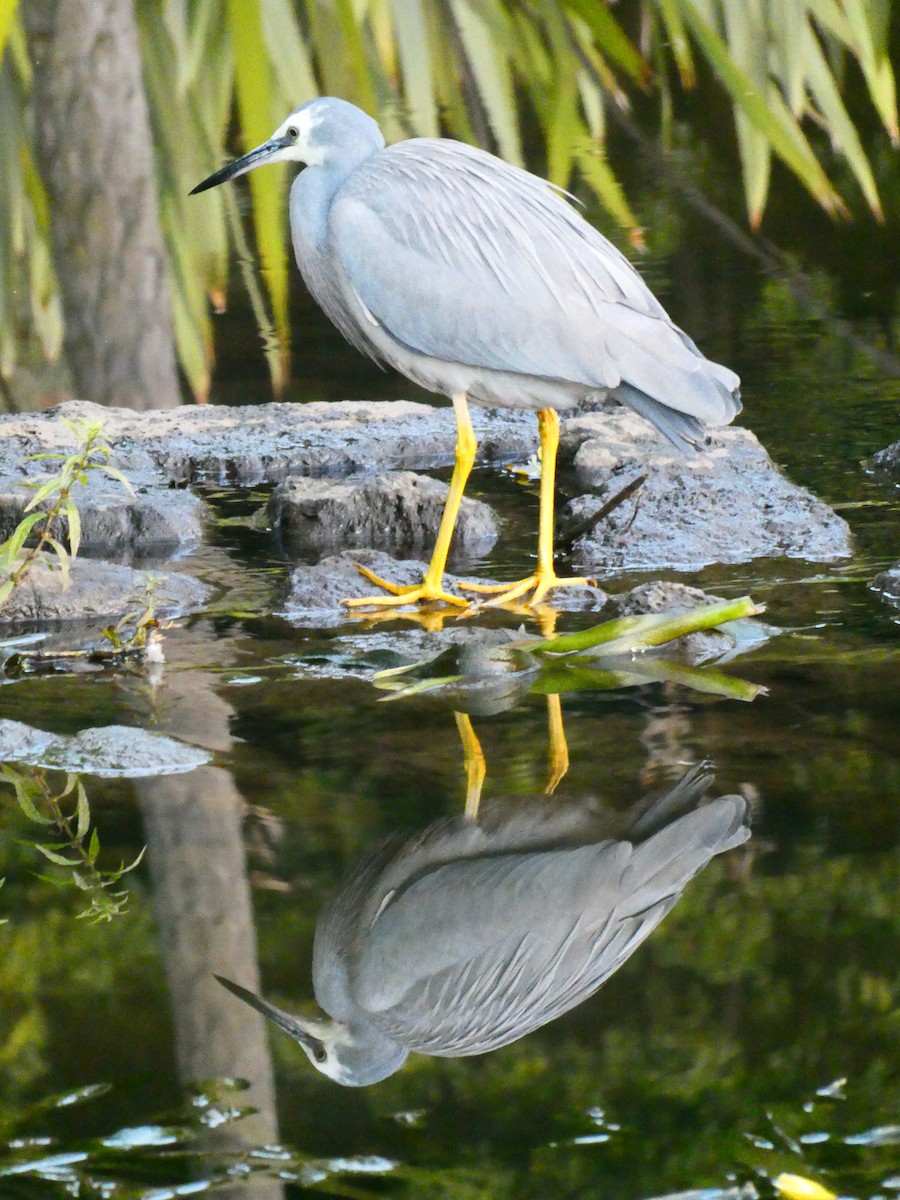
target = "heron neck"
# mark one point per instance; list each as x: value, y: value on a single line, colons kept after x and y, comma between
x: 312, y: 194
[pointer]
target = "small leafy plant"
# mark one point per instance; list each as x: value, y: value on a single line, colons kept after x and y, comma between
x: 92, y: 454
x: 76, y: 847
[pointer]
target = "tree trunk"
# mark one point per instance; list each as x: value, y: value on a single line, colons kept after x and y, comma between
x: 94, y: 150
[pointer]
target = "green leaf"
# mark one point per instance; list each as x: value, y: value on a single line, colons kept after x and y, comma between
x: 679, y: 42
x: 869, y: 21
x: 602, y: 181
x: 47, y: 489
x: 490, y: 67
x: 288, y: 54
x: 6, y: 589
x: 54, y: 857
x: 70, y: 512
x: 411, y: 30
x: 841, y: 129
x: 62, y: 555
x: 94, y: 846
x: 611, y: 38
x: 83, y: 814
x: 7, y: 12
x: 254, y: 101
x: 136, y: 863
x: 14, y: 543
x: 113, y: 473
x: 26, y: 793
x: 767, y: 113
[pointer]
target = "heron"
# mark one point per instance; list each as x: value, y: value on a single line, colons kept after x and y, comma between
x: 467, y: 935
x: 480, y: 281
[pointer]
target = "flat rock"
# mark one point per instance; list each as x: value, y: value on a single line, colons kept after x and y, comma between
x: 99, y: 589
x: 316, y: 591
x: 110, y: 751
x: 888, y: 459
x: 888, y: 583
x: 266, y: 443
x: 729, y: 503
x: 399, y: 513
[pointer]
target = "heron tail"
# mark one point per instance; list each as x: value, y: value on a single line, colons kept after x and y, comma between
x: 684, y: 431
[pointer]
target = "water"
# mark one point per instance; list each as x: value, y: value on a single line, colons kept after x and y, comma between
x: 711, y: 1061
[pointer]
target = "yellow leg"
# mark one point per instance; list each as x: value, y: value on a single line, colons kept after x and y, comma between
x: 558, y: 754
x: 544, y: 578
x: 432, y: 586
x: 473, y: 758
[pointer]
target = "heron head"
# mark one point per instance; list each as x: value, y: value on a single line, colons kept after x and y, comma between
x: 320, y: 132
x: 348, y: 1055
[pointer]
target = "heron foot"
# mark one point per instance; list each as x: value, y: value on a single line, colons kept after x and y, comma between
x: 541, y: 582
x: 425, y: 592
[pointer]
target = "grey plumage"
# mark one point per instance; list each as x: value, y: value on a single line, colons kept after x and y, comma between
x: 467, y: 936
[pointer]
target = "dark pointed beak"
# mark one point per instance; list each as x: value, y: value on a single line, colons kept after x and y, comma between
x: 290, y: 1024
x: 240, y: 166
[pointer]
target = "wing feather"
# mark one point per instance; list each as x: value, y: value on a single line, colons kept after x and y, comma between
x: 466, y: 259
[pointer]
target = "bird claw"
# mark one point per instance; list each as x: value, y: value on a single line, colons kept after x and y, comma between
x: 401, y: 594
x: 507, y: 593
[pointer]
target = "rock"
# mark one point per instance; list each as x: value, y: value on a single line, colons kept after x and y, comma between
x: 109, y: 751
x: 156, y: 521
x: 316, y: 591
x: 727, y: 504
x: 360, y: 653
x: 888, y: 459
x: 662, y: 596
x: 99, y: 589
x: 399, y: 512
x: 261, y: 443
x: 888, y: 583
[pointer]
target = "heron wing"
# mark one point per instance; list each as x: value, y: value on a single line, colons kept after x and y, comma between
x: 476, y: 953
x: 463, y: 258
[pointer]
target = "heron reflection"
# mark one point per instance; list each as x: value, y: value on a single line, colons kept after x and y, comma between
x: 469, y: 934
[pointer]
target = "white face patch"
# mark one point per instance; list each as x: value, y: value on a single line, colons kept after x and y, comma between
x: 300, y: 150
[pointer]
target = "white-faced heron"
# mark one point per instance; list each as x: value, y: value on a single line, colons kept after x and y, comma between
x: 468, y: 935
x: 478, y: 280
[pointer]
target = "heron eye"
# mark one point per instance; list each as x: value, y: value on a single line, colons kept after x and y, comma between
x: 320, y: 1055
x: 293, y: 133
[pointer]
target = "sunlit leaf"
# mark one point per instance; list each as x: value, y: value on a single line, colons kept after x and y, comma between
x: 7, y: 12
x: 678, y: 41
x: 254, y: 99
x: 70, y: 512
x: 768, y: 114
x: 83, y: 813
x: 617, y: 46
x: 52, y: 855
x: 62, y: 557
x: 490, y: 67
x: 411, y: 29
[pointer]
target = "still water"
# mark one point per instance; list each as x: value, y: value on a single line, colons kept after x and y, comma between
x: 754, y: 1032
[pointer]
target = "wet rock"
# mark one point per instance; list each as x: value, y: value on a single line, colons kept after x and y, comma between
x: 109, y: 751
x: 662, y: 596
x: 249, y: 445
x: 399, y: 512
x: 316, y: 591
x: 888, y: 460
x: 361, y: 653
x: 99, y: 589
x: 727, y: 504
x: 888, y: 584
x: 157, y: 521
